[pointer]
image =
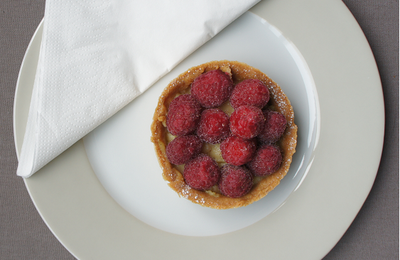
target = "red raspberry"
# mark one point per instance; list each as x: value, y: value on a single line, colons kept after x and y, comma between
x: 183, y: 148
x: 213, y: 126
x: 235, y: 181
x: 247, y: 121
x: 183, y: 115
x: 237, y: 151
x: 212, y: 88
x: 275, y: 125
x: 201, y: 173
x: 267, y: 160
x: 250, y: 92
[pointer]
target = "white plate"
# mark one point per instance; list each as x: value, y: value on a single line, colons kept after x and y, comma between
x: 132, y: 176
x: 342, y: 168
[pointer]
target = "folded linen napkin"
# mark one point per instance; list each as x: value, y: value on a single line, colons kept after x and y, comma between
x: 97, y: 56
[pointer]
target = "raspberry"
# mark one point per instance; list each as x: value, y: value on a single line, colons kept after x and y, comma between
x: 275, y: 125
x: 212, y: 88
x: 250, y: 92
x: 235, y: 181
x: 213, y: 126
x: 247, y: 121
x: 267, y: 160
x: 237, y: 151
x: 183, y: 148
x: 201, y: 173
x: 183, y: 115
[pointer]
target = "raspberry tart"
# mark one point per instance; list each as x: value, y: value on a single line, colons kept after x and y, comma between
x: 224, y: 134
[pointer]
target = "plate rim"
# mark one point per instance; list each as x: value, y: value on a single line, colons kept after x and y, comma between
x: 37, y: 180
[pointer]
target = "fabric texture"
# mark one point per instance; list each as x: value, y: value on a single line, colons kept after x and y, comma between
x: 372, y: 235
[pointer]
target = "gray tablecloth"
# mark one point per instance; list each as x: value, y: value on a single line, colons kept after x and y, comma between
x: 374, y: 234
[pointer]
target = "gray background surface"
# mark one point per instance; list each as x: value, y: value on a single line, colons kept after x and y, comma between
x: 374, y: 234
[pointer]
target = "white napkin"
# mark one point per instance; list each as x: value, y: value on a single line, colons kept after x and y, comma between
x: 96, y: 56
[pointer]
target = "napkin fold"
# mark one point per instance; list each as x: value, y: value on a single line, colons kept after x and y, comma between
x: 97, y: 56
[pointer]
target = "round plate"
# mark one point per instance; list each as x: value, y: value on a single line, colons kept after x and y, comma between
x: 342, y: 168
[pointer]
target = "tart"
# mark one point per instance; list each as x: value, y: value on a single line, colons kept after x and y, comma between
x: 276, y: 102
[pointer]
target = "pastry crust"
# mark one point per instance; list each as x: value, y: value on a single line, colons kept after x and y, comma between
x: 160, y: 136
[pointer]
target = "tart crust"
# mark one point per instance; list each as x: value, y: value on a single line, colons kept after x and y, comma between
x: 160, y: 136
